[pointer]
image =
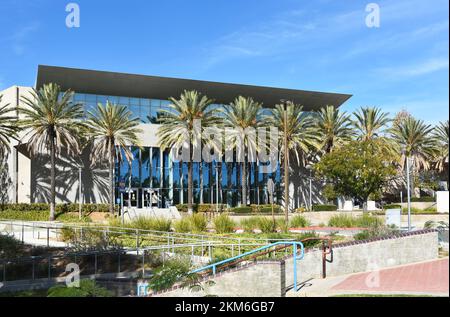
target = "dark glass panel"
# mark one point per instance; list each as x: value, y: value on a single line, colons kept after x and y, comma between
x: 145, y: 156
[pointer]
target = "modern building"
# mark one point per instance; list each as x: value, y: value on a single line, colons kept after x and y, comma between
x: 151, y: 169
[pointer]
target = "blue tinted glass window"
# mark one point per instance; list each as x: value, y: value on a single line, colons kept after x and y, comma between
x: 145, y: 102
x: 145, y: 159
x: 91, y: 98
x: 102, y: 99
x: 176, y: 175
x: 145, y: 113
x: 134, y: 101
x: 136, y: 111
x: 113, y: 99
x: 124, y: 101
x: 79, y: 97
x: 135, y: 167
x: 165, y: 104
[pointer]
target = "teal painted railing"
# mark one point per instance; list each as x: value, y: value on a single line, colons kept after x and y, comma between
x: 296, y: 256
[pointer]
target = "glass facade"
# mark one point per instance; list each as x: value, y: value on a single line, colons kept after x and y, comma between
x: 145, y: 109
x: 153, y: 171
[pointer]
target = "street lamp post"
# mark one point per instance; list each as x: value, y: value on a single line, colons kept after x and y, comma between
x: 286, y: 164
x: 408, y: 185
x: 217, y: 188
x: 309, y: 168
x: 80, y: 203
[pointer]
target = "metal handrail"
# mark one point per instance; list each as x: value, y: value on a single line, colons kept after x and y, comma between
x: 294, y: 247
x: 191, y: 236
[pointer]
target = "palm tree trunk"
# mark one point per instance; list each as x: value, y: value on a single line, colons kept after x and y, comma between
x: 52, y: 178
x: 219, y: 169
x: 190, y: 192
x: 111, y: 180
x: 286, y: 188
x: 244, y: 183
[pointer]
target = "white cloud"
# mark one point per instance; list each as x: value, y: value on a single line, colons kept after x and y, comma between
x: 18, y: 39
x: 429, y: 66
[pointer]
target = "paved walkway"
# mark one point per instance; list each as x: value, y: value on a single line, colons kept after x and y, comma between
x: 425, y: 278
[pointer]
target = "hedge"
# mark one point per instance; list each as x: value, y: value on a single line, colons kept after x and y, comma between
x: 426, y: 199
x: 39, y: 216
x: 242, y: 210
x: 199, y: 207
x: 254, y: 209
x: 60, y: 208
x: 392, y: 206
x: 324, y: 207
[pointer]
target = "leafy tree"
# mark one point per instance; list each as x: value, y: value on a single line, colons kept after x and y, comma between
x: 112, y: 130
x: 52, y: 122
x: 356, y: 170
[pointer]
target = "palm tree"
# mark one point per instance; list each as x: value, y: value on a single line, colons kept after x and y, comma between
x: 414, y: 139
x: 441, y: 135
x: 242, y: 114
x: 52, y: 122
x: 178, y: 127
x: 112, y: 130
x: 370, y: 123
x: 301, y: 134
x: 334, y: 127
x: 8, y: 127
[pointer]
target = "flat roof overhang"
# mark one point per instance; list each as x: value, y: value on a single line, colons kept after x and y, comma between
x: 141, y: 86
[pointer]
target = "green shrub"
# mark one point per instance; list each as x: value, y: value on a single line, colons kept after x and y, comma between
x: 342, y: 221
x: 241, y: 210
x: 88, y: 288
x: 183, y: 225
x: 368, y: 221
x: 375, y: 232
x: 392, y: 206
x: 200, y: 207
x: 60, y: 208
x: 40, y: 216
x: 324, y: 207
x: 427, y: 211
x: 224, y: 224
x: 425, y: 199
x: 198, y: 222
x: 266, y: 225
x: 348, y: 221
x: 282, y: 225
x: 299, y: 221
x: 166, y: 276
x: 146, y: 223
x: 9, y: 247
x: 266, y: 208
x: 249, y: 224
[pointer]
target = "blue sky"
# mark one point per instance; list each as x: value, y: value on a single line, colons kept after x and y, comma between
x: 320, y: 45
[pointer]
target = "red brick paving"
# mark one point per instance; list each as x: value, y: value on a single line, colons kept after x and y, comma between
x: 429, y: 277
